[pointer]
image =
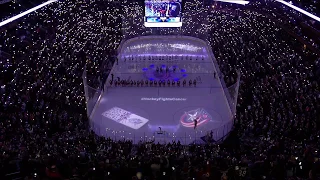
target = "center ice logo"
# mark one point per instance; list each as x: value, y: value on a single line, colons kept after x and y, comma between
x: 200, y: 114
x: 163, y: 72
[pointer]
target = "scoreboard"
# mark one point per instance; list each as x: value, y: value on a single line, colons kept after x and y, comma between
x: 163, y: 13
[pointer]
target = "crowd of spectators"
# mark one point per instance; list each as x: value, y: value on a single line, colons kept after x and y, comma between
x: 305, y: 27
x: 44, y: 129
x: 312, y: 6
x: 10, y: 8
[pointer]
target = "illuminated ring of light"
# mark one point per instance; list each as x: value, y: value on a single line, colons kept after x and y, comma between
x: 300, y: 10
x: 235, y: 1
x: 148, y: 76
x: 26, y: 12
x: 149, y: 73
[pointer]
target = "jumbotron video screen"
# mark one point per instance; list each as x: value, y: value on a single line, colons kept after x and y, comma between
x: 163, y: 13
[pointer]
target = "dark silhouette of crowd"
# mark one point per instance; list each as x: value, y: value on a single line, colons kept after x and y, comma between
x: 45, y: 132
x: 10, y: 8
x: 311, y: 6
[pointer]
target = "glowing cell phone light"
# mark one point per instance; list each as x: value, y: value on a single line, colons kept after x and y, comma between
x: 300, y: 10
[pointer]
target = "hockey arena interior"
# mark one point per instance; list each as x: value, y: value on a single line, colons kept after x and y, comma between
x: 163, y: 88
x: 159, y: 89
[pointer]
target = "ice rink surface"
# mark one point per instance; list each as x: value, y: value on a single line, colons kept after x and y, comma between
x: 167, y: 112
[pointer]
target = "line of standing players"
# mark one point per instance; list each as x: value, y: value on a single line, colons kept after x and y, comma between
x: 151, y: 83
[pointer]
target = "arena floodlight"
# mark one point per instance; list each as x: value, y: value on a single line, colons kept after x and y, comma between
x: 300, y: 10
x: 26, y: 12
x: 235, y: 1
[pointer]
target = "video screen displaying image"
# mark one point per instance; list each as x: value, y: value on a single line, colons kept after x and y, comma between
x: 163, y: 13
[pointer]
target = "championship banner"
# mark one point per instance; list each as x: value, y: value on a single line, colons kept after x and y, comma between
x: 4, y: 1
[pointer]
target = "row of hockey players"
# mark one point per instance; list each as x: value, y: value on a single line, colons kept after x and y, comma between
x: 140, y: 83
x: 144, y: 58
x: 165, y: 69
